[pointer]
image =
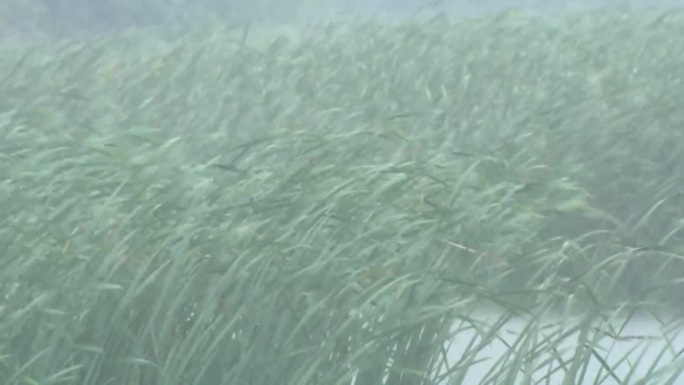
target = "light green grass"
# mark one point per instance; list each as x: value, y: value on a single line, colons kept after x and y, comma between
x: 203, y: 212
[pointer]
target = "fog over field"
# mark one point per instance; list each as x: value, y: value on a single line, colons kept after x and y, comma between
x: 66, y: 16
x: 362, y: 192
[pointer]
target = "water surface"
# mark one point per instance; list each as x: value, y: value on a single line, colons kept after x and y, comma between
x: 640, y: 345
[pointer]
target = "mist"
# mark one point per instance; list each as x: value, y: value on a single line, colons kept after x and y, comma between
x: 341, y: 192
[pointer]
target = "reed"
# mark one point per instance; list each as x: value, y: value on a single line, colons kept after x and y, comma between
x: 324, y: 210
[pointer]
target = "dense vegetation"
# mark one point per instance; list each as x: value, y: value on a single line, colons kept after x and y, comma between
x: 221, y: 209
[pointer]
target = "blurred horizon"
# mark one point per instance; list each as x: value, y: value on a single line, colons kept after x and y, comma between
x: 68, y: 17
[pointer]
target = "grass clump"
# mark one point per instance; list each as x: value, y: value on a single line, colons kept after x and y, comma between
x: 322, y: 212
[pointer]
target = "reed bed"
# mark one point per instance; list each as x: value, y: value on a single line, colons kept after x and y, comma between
x: 322, y: 209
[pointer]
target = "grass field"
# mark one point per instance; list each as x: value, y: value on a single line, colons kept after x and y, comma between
x: 227, y: 207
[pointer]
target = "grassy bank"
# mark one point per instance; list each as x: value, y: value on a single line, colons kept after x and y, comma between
x: 216, y: 209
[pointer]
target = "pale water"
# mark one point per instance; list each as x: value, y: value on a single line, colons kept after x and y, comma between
x: 641, y: 344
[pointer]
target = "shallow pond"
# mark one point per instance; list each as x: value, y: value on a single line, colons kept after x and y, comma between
x: 640, y: 345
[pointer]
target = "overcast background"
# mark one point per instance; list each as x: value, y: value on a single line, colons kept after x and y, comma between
x: 58, y: 17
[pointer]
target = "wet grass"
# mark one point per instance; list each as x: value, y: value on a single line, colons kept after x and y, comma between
x: 323, y: 210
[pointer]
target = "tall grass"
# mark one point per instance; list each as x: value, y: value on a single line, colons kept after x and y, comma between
x: 322, y: 210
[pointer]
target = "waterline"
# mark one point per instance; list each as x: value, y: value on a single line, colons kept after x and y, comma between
x: 641, y: 349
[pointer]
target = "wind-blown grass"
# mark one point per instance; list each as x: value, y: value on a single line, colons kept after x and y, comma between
x: 209, y: 211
